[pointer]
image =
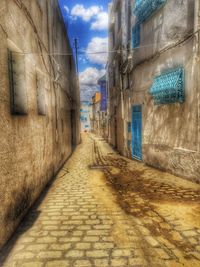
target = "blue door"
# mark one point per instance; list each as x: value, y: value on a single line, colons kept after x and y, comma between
x: 137, y: 132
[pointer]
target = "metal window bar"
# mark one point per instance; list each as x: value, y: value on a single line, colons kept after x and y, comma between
x: 169, y: 87
x: 145, y: 8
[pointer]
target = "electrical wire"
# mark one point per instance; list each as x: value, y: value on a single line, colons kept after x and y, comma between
x: 85, y: 51
x: 56, y: 74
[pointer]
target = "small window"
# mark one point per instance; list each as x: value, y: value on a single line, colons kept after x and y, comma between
x: 18, y: 93
x: 40, y: 94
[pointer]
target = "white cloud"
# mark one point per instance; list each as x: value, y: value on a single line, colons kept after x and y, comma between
x: 88, y: 82
x: 66, y: 9
x: 101, y: 21
x: 97, y: 50
x: 96, y: 14
x: 85, y: 13
x: 90, y: 76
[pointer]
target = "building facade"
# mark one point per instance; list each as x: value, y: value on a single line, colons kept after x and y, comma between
x: 102, y: 82
x: 85, y: 113
x: 95, y: 117
x: 153, y: 77
x: 40, y: 104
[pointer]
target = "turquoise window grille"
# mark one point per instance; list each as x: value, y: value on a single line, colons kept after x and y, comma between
x: 138, y: 3
x: 145, y: 8
x: 169, y: 87
x: 136, y: 35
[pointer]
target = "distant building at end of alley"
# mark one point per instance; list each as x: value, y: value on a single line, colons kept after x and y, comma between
x: 99, y: 109
x: 85, y: 115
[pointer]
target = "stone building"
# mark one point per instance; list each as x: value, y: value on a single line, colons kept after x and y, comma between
x: 153, y: 77
x: 39, y: 102
x: 95, y: 117
x: 85, y: 113
x: 102, y: 82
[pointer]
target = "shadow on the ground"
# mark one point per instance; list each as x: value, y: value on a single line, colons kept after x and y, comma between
x: 29, y: 219
x: 139, y: 192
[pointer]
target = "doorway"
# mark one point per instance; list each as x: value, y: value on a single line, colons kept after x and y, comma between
x: 137, y: 132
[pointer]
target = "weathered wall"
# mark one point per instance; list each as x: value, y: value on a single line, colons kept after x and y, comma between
x: 33, y: 147
x: 170, y: 132
x: 86, y: 114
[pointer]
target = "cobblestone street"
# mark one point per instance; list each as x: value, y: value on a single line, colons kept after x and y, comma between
x: 105, y: 210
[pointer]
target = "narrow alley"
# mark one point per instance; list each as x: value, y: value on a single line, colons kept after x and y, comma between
x: 105, y: 210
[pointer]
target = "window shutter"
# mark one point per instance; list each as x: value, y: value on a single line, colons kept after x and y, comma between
x: 18, y: 94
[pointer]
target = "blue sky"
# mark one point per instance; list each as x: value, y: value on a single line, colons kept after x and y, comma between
x: 87, y: 20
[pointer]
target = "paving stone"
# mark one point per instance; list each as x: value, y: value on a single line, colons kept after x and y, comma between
x: 165, y: 226
x: 38, y: 233
x: 97, y: 253
x: 162, y: 253
x: 84, y: 227
x: 143, y: 230
x: 27, y: 239
x: 75, y: 254
x: 82, y: 263
x: 189, y: 233
x: 46, y: 240
x: 32, y: 264
x: 152, y: 241
x: 101, y: 262
x: 122, y: 253
x: 36, y: 247
x: 91, y: 238
x: 49, y: 254
x: 107, y: 238
x: 58, y: 233
x: 60, y: 246
x: 91, y: 222
x: 97, y: 232
x: 60, y: 263
x: 137, y: 262
x: 76, y: 228
x: 50, y: 227
x: 119, y: 262
x: 83, y: 246
x: 102, y: 227
x: 104, y: 245
x: 24, y: 255
x: 78, y: 233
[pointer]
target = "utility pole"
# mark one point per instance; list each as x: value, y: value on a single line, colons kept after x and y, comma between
x: 76, y: 52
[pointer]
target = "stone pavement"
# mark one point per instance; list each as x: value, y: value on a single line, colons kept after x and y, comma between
x: 105, y: 210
